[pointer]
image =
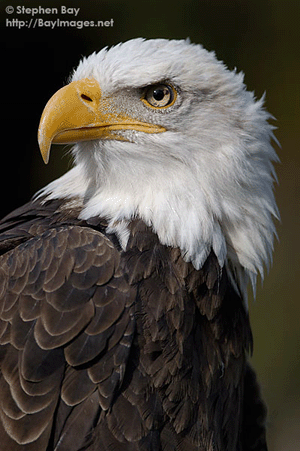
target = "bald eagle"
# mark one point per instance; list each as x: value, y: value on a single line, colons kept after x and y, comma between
x: 124, y: 322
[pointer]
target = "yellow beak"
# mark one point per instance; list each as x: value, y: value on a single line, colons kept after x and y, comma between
x: 78, y: 112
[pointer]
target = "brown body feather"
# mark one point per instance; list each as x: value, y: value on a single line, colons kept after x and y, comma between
x: 104, y: 349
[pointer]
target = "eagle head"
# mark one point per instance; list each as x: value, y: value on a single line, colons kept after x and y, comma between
x: 163, y: 131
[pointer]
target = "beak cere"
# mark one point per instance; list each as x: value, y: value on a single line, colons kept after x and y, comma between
x: 78, y: 112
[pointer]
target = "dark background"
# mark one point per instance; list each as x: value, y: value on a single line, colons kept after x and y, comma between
x: 259, y: 37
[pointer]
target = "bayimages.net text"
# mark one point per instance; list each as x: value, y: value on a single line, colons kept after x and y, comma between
x: 58, y: 23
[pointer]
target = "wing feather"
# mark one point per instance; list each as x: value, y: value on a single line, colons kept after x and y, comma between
x: 61, y: 306
x: 76, y: 386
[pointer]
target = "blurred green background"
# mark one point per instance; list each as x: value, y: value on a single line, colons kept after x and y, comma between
x: 259, y: 37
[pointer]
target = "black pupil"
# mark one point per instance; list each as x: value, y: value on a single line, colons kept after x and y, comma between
x: 159, y: 94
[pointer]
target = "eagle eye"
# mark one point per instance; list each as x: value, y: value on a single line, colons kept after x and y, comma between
x: 159, y: 96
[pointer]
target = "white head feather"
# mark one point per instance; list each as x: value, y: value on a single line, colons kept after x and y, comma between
x: 204, y: 184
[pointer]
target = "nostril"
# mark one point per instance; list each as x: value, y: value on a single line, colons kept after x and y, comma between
x: 84, y: 97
